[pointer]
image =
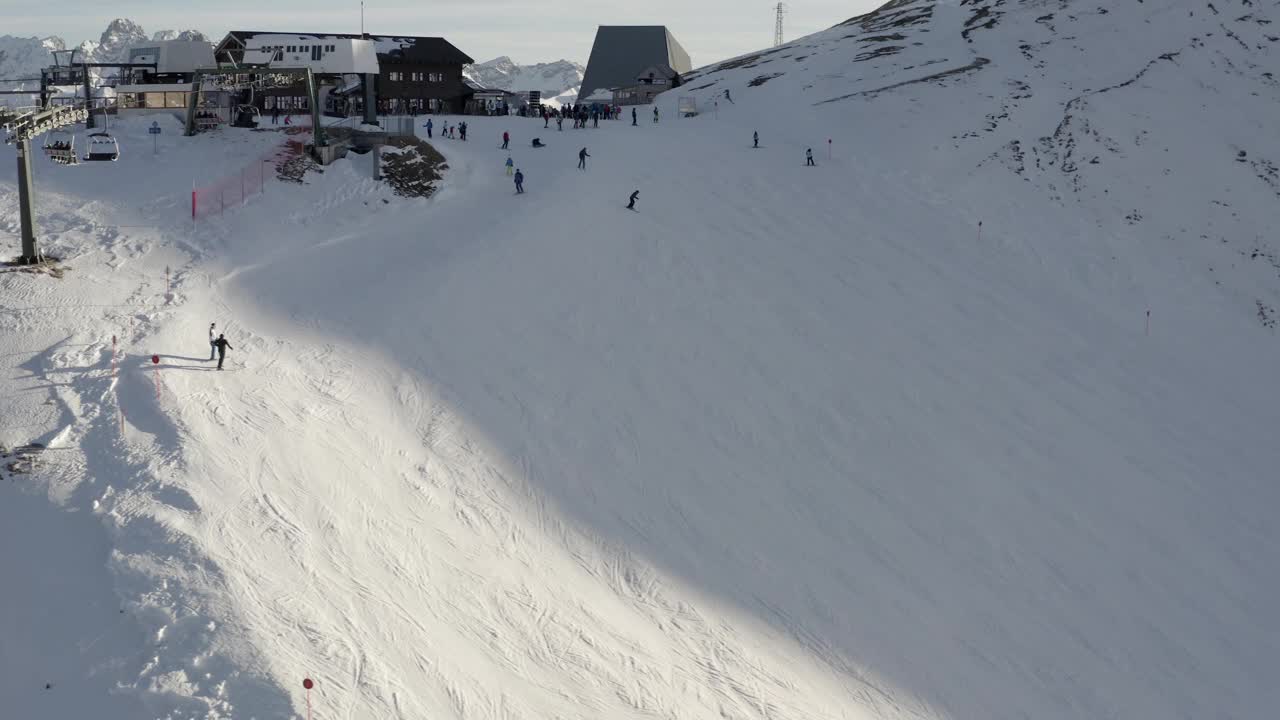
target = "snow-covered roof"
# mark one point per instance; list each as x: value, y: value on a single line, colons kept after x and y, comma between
x: 388, y: 47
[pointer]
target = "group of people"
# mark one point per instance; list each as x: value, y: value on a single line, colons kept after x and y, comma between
x: 457, y: 130
x: 580, y: 114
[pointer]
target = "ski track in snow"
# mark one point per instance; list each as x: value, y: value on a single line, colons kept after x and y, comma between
x: 788, y: 443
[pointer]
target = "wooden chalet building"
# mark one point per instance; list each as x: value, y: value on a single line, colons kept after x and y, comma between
x: 414, y: 75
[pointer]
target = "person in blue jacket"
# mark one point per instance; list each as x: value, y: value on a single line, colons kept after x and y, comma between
x: 428, y: 126
x: 519, y: 182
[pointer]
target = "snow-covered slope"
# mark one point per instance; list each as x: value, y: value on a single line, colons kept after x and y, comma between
x: 559, y: 79
x: 788, y: 442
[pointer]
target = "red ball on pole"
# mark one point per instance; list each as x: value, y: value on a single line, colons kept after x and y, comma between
x: 155, y: 359
x: 306, y: 683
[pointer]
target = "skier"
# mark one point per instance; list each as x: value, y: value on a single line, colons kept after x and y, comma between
x: 510, y: 165
x: 462, y: 131
x: 655, y: 113
x: 546, y: 119
x: 633, y: 116
x: 632, y: 205
x: 560, y: 122
x: 808, y: 158
x: 726, y: 97
x: 223, y: 346
x: 582, y: 159
x: 595, y: 119
x: 428, y: 126
x: 213, y: 347
x: 506, y: 138
x: 519, y: 182
x: 537, y: 142
x: 755, y: 139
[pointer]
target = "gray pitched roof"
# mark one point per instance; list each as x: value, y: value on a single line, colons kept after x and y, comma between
x: 620, y: 52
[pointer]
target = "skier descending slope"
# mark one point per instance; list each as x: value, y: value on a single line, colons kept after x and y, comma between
x: 510, y: 165
x: 506, y: 139
x: 632, y: 205
x: 519, y: 182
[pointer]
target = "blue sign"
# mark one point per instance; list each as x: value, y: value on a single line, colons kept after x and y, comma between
x: 154, y: 129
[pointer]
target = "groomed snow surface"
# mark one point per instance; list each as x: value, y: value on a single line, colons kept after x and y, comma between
x: 787, y: 443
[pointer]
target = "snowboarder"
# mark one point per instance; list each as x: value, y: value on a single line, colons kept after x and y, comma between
x: 632, y: 205
x: 510, y: 165
x: 519, y: 182
x: 808, y: 158
x: 506, y: 138
x: 428, y: 126
x: 755, y: 139
x: 633, y: 116
x: 213, y: 342
x: 582, y: 159
x: 223, y: 346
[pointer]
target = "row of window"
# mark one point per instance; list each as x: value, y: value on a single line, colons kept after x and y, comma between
x: 396, y: 76
x: 153, y: 100
x: 299, y: 48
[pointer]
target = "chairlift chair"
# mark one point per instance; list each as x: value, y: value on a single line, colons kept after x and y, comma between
x: 102, y: 148
x: 60, y: 147
x: 246, y: 116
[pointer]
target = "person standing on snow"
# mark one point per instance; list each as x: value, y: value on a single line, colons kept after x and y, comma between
x: 223, y: 346
x: 462, y: 131
x: 428, y: 126
x: 632, y: 205
x: 755, y: 139
x: 506, y: 138
x: 510, y: 165
x: 808, y: 158
x: 633, y: 116
x: 213, y: 347
x: 519, y: 182
x: 655, y: 113
x: 560, y: 122
x: 582, y: 159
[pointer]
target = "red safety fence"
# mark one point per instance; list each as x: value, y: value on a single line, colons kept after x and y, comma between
x: 233, y: 190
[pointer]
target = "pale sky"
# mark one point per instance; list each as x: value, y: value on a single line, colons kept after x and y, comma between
x: 528, y: 31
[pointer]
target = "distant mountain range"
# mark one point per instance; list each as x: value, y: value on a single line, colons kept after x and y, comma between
x: 22, y: 58
x: 558, y: 80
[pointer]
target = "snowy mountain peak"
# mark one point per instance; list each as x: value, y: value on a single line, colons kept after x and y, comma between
x: 166, y: 35
x: 553, y: 79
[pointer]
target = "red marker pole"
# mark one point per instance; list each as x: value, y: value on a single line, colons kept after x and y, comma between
x: 306, y: 683
x: 167, y: 291
x: 979, y: 231
x: 1148, y: 323
x: 830, y: 152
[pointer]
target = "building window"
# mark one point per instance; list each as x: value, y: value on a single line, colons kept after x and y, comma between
x: 175, y: 99
x: 153, y: 99
x: 395, y: 76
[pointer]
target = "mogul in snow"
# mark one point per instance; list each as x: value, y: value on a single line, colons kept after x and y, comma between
x: 222, y: 346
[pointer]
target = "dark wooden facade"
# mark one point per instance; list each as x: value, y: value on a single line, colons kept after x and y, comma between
x: 416, y: 75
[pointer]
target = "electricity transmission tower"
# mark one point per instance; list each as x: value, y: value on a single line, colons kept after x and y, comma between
x: 777, y: 28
